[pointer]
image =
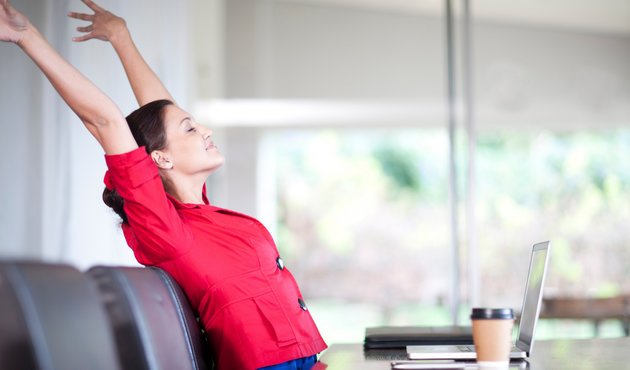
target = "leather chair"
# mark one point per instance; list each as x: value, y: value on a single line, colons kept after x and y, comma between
x: 51, y: 318
x: 154, y: 325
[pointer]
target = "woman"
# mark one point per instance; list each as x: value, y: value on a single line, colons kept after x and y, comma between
x: 158, y: 160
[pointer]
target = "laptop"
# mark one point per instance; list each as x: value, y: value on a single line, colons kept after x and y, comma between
x: 529, y: 317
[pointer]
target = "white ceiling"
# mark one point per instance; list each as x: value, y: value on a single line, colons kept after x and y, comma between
x: 609, y: 16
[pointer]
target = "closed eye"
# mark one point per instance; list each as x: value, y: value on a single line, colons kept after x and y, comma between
x: 187, y: 125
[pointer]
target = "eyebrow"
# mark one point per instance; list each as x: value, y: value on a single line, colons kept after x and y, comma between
x: 184, y: 120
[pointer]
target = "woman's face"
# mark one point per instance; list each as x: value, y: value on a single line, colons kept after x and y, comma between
x: 188, y: 144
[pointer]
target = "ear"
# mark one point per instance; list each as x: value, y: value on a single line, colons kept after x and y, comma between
x: 161, y: 159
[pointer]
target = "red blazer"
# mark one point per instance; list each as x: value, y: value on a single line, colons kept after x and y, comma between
x: 226, y: 263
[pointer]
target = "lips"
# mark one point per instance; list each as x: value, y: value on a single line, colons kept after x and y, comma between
x: 210, y: 146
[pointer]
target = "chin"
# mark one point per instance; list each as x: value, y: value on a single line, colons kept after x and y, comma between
x: 218, y: 163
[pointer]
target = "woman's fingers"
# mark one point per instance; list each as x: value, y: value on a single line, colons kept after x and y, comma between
x: 7, y: 8
x: 103, y: 23
x: 92, y: 5
x: 89, y: 28
x: 82, y: 16
x: 83, y: 38
x: 86, y: 17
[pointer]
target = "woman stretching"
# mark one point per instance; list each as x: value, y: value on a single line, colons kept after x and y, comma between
x: 158, y: 159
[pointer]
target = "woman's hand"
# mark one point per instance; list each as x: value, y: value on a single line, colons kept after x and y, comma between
x: 146, y: 85
x: 105, y: 25
x: 13, y: 24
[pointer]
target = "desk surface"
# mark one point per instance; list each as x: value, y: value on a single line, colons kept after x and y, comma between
x: 559, y: 354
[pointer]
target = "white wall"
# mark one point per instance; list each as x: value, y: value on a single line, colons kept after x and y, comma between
x: 544, y: 76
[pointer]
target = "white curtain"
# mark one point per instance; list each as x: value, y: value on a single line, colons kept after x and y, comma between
x: 52, y: 169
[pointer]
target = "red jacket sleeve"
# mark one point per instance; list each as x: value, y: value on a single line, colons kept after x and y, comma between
x: 156, y: 232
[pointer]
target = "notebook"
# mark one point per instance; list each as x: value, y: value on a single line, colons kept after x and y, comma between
x: 529, y: 317
x: 402, y: 336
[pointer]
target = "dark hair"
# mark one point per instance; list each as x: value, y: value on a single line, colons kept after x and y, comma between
x: 147, y: 127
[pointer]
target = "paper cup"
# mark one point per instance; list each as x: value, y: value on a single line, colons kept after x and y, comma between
x: 492, y: 336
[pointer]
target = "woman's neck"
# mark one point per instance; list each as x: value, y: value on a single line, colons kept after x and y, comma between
x: 189, y: 190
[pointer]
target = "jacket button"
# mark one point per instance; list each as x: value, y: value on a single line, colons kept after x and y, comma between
x: 280, y: 263
x: 302, y: 304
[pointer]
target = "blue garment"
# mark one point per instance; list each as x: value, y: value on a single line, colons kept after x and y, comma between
x: 305, y: 363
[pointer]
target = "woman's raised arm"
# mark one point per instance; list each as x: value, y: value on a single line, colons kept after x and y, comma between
x: 97, y: 111
x: 106, y: 26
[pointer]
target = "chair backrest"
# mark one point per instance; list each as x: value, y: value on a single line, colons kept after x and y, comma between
x: 51, y: 318
x: 154, y: 325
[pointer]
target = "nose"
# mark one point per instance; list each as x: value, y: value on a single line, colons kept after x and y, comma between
x: 205, y: 132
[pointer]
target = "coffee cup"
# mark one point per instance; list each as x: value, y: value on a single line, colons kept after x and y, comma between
x: 492, y: 336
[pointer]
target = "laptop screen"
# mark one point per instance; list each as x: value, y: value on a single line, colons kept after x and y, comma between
x: 533, y: 296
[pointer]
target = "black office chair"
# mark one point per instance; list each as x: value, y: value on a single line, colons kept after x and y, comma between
x: 154, y: 325
x: 51, y: 318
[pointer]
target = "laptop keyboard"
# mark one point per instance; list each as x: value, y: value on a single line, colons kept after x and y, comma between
x: 471, y: 348
x: 466, y: 348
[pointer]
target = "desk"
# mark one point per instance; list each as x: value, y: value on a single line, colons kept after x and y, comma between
x: 561, y: 354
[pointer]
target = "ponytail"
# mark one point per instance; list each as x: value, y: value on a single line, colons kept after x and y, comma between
x: 114, y: 201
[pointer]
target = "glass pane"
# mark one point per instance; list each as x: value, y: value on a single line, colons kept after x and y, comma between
x: 363, y: 224
x: 552, y: 102
x: 570, y: 188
